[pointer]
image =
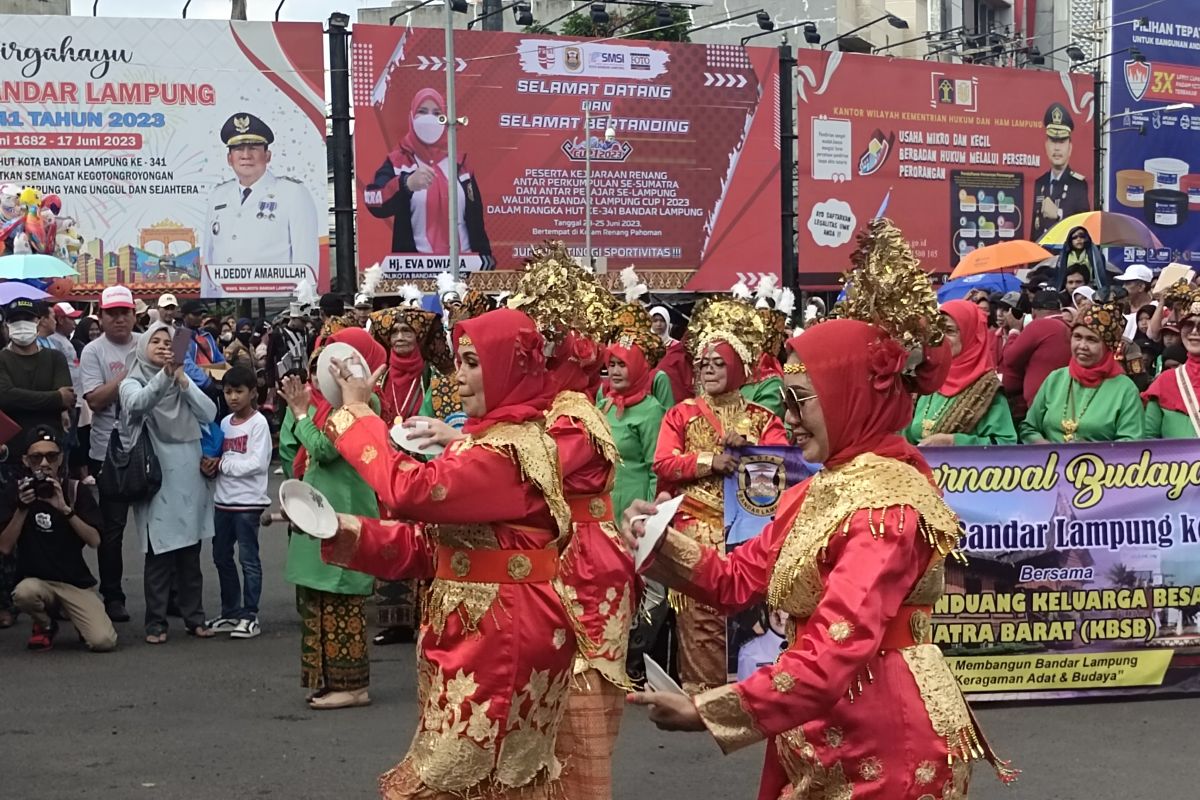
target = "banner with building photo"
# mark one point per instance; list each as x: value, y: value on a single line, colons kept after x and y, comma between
x: 960, y: 156
x: 681, y: 190
x: 122, y: 118
x: 1153, y: 156
x: 1082, y: 574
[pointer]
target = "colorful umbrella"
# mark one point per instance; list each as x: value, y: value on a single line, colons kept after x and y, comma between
x: 11, y: 291
x: 34, y: 265
x: 989, y: 282
x: 1107, y: 229
x: 995, y: 257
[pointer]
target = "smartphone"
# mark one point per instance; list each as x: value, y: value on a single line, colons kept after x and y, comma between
x: 181, y: 344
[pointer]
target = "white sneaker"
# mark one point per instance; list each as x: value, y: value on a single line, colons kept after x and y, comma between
x: 246, y: 629
x: 279, y: 470
x: 223, y: 624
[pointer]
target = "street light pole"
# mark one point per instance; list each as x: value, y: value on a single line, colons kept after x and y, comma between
x: 587, y: 181
x: 451, y: 137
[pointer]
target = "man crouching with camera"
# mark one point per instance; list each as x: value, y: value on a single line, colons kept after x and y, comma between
x: 48, y: 523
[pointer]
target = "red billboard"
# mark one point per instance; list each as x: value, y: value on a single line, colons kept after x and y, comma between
x: 960, y: 156
x: 682, y: 139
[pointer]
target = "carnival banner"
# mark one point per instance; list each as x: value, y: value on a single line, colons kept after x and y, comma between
x: 1082, y: 574
x: 127, y: 122
x: 1153, y: 155
x: 682, y: 140
x: 960, y: 156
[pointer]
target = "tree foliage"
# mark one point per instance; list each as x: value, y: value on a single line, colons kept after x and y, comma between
x: 629, y: 22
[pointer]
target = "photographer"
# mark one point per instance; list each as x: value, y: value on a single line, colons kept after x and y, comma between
x: 48, y: 524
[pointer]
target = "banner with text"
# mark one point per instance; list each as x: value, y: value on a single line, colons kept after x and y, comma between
x: 127, y: 120
x: 1083, y: 567
x: 960, y: 156
x: 674, y: 148
x: 1154, y: 155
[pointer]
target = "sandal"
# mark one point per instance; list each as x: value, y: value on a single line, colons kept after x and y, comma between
x: 359, y: 697
x: 156, y: 638
x: 201, y: 632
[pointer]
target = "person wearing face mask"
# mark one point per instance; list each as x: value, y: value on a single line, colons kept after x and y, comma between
x: 240, y: 349
x: 860, y: 703
x: 691, y: 458
x: 258, y: 217
x: 411, y: 187
x: 35, y: 382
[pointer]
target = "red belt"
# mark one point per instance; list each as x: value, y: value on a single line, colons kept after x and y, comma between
x: 911, y: 626
x: 591, y: 508
x: 496, y: 566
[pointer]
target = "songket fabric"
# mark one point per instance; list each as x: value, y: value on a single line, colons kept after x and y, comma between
x: 692, y: 433
x: 599, y: 584
x: 333, y: 641
x: 861, y: 704
x: 496, y: 647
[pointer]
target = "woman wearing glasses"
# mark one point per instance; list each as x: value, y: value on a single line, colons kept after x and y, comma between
x: 692, y: 458
x: 1172, y: 411
x: 860, y: 704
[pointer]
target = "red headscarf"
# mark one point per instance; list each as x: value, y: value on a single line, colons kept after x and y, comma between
x: 975, y: 359
x: 639, y: 376
x: 1091, y: 377
x: 1165, y: 388
x: 855, y: 370
x: 575, y: 366
x: 371, y: 352
x: 735, y: 368
x: 512, y: 356
x: 437, y: 196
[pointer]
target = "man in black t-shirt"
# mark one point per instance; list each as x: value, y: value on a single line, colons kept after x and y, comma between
x: 48, y: 524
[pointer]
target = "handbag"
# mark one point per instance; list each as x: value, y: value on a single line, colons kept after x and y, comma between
x: 131, y: 475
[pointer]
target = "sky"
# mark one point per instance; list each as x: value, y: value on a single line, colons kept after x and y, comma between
x: 296, y: 10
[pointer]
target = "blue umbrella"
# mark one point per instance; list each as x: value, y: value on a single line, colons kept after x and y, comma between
x: 11, y: 291
x: 34, y: 265
x: 988, y: 281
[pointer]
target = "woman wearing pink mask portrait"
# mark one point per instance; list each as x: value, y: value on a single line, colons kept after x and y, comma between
x: 413, y: 188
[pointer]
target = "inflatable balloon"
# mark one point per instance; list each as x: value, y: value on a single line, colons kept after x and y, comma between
x: 60, y: 287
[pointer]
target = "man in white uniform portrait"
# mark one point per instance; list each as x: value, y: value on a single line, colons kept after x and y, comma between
x: 258, y: 217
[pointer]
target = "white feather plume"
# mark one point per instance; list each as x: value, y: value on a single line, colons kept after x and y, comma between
x: 785, y: 301
x: 411, y: 294
x: 306, y: 293
x: 632, y: 285
x: 741, y: 291
x: 765, y: 291
x: 371, y: 277
x: 445, y: 283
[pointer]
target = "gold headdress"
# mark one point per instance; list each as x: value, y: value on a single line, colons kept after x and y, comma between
x: 729, y: 320
x: 562, y: 296
x: 631, y: 322
x: 1106, y: 321
x: 887, y: 287
x: 1183, y: 299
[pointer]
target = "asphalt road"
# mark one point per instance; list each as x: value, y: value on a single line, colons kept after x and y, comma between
x: 220, y: 719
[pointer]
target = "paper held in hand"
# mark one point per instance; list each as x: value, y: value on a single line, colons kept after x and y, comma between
x: 657, y: 679
x: 656, y: 528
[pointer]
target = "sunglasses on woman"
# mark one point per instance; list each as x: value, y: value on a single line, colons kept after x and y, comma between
x: 794, y: 399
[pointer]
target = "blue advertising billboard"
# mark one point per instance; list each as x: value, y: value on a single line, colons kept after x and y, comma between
x: 1154, y: 155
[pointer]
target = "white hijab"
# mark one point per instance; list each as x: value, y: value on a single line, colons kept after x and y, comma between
x: 661, y: 311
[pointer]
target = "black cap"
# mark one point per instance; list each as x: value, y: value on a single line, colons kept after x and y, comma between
x: 24, y: 307
x: 245, y: 128
x: 1058, y: 122
x: 193, y: 307
x: 42, y: 433
x: 1047, y: 300
x: 333, y: 305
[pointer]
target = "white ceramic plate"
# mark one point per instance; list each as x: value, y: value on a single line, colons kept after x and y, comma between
x: 325, y: 382
x: 657, y: 679
x: 400, y: 435
x: 656, y: 528
x: 308, y: 509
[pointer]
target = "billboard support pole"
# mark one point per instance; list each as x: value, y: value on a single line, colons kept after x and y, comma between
x: 451, y: 137
x: 343, y: 155
x: 789, y: 272
x: 1097, y: 141
x: 587, y: 183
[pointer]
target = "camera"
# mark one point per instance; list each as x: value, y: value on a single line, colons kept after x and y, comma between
x: 43, y: 488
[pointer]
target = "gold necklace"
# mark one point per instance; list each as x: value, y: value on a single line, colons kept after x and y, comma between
x: 927, y: 424
x: 1071, y: 420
